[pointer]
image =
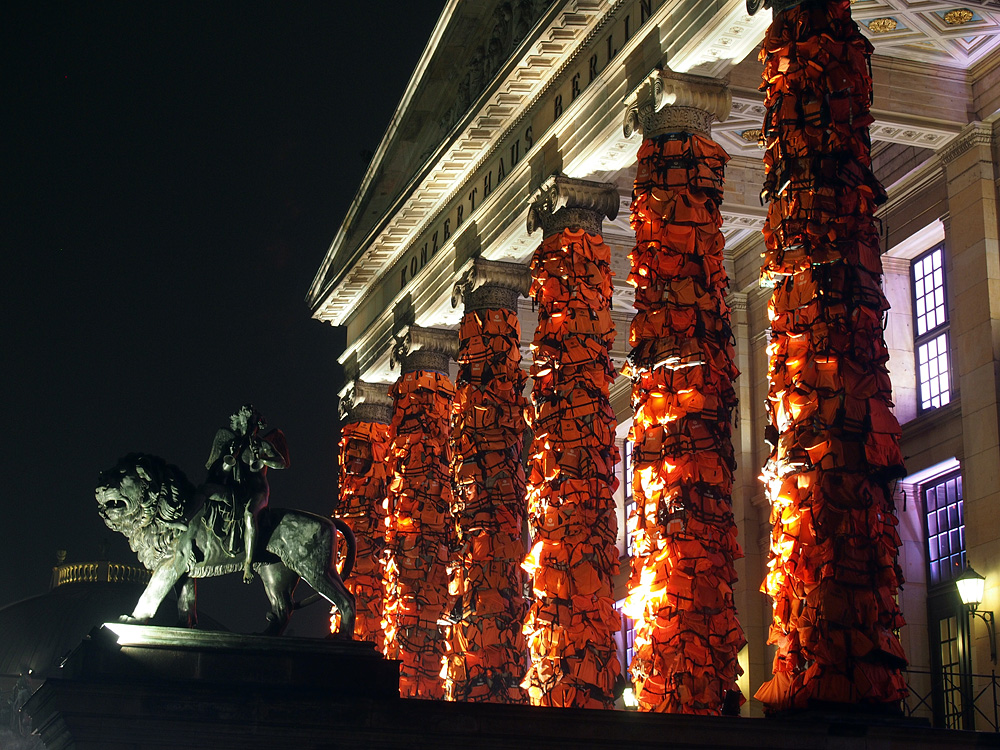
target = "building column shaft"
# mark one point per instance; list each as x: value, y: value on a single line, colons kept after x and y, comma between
x: 486, y: 649
x: 833, y: 575
x: 571, y: 623
x: 687, y: 636
x: 419, y: 534
x: 363, y: 485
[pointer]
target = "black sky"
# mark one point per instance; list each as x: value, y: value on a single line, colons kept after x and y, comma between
x: 172, y: 175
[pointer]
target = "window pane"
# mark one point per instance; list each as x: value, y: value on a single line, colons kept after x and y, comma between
x: 945, y: 529
x: 930, y: 308
x: 932, y: 366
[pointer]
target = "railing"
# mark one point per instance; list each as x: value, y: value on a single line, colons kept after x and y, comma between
x: 98, y: 572
x: 969, y: 701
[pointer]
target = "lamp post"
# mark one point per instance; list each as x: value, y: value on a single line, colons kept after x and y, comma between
x: 971, y: 586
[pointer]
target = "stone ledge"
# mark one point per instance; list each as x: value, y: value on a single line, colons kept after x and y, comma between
x: 168, y: 688
x: 117, y: 652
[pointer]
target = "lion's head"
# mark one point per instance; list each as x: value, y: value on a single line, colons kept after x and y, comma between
x: 144, y: 498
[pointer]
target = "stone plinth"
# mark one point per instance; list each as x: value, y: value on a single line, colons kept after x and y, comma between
x: 142, y: 652
x: 148, y: 688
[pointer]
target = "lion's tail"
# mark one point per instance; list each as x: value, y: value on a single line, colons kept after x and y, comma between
x: 352, y: 547
x: 349, y: 559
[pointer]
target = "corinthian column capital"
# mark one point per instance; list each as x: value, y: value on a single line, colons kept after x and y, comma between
x: 417, y: 348
x: 668, y: 102
x: 366, y: 402
x: 563, y: 202
x: 491, y: 284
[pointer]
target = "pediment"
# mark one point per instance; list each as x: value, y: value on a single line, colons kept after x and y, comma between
x: 469, y: 46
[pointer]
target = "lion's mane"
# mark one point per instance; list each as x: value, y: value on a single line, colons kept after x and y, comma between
x: 145, y: 498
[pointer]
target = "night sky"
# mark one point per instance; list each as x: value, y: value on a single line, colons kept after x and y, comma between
x: 172, y: 175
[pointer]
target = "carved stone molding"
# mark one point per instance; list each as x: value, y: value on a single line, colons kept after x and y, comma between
x: 491, y: 284
x: 366, y: 402
x: 512, y: 22
x: 669, y: 102
x: 976, y: 134
x: 417, y: 348
x: 563, y: 202
x: 895, y: 265
x: 335, y: 295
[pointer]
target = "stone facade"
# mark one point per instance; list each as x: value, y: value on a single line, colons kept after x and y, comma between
x: 557, y: 107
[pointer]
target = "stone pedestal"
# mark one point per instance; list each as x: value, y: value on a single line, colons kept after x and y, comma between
x: 148, y: 688
x: 152, y: 687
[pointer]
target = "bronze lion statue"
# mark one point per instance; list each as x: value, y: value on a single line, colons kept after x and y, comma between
x: 173, y: 527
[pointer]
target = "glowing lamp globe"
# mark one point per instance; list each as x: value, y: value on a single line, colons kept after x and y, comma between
x: 971, y: 586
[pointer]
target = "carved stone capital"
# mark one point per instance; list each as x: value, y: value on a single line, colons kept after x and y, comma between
x: 366, y: 402
x: 417, y: 348
x: 975, y: 134
x: 491, y: 284
x: 668, y: 102
x: 563, y: 202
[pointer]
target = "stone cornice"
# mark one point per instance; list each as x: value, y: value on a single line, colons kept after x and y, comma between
x: 417, y: 348
x: 563, y: 202
x: 975, y: 134
x: 520, y: 81
x: 366, y: 402
x: 491, y: 284
x: 669, y: 102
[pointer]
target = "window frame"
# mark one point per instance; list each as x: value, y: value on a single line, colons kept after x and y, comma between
x: 628, y: 497
x: 951, y: 683
x: 628, y: 468
x: 933, y: 483
x: 933, y: 333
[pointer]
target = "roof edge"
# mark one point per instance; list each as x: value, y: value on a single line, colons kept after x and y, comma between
x: 316, y: 287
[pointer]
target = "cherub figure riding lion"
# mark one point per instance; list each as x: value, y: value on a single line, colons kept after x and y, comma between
x: 182, y: 533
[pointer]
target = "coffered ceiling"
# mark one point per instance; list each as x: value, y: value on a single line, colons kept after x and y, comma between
x: 945, y: 33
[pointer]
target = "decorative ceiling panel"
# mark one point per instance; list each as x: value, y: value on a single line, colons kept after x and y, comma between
x: 944, y: 33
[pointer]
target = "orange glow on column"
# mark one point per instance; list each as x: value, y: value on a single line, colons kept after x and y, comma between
x: 571, y: 623
x: 486, y: 650
x: 362, y: 497
x: 687, y: 636
x: 419, y: 531
x: 834, y: 441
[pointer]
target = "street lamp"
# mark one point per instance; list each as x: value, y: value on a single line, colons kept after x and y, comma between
x: 971, y: 586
